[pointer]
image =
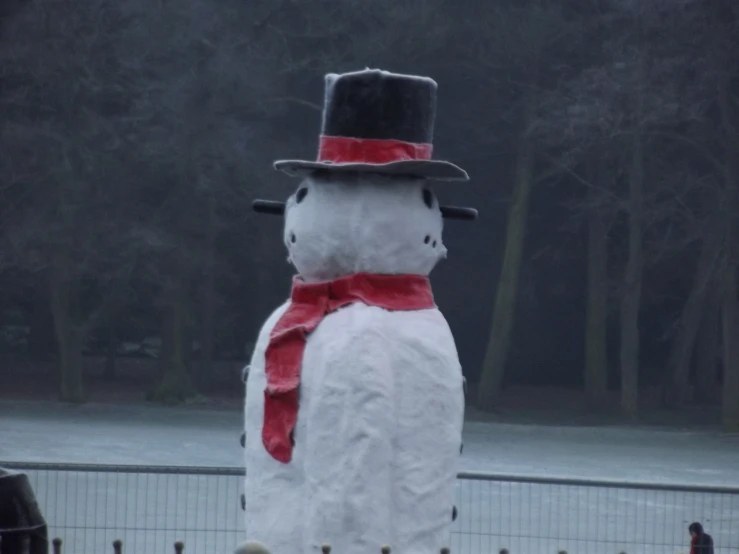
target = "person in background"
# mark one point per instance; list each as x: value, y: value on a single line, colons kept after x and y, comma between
x: 701, y: 542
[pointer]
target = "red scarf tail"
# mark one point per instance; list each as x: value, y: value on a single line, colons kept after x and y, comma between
x: 309, y: 304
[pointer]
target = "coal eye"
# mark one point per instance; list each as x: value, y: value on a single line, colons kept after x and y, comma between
x: 428, y: 198
x: 301, y: 194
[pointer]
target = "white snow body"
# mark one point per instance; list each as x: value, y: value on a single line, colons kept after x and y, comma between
x: 379, y: 426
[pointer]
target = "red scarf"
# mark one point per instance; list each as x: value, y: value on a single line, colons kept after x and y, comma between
x: 309, y: 304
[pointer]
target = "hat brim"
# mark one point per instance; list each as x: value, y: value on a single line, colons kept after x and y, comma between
x: 437, y: 170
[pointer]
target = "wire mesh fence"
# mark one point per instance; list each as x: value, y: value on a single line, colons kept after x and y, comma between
x: 150, y: 508
x: 531, y: 515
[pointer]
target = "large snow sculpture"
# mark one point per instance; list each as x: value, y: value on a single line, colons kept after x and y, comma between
x: 354, y: 397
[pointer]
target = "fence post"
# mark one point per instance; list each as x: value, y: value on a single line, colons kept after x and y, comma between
x: 57, y: 544
x: 117, y: 546
x: 179, y: 546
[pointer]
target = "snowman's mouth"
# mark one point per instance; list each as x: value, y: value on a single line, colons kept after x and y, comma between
x: 274, y: 207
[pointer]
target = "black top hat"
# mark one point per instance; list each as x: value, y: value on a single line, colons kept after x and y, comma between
x: 379, y: 122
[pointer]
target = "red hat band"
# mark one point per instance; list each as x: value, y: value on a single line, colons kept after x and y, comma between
x: 346, y: 150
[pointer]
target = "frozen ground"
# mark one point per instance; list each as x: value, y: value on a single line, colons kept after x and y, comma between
x: 151, y: 435
x: 150, y: 511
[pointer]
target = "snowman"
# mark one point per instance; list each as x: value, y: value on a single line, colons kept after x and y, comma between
x: 354, y: 394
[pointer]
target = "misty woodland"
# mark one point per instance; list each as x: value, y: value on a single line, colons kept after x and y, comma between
x: 602, y: 138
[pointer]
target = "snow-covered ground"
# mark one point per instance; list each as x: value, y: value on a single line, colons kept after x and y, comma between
x: 150, y: 511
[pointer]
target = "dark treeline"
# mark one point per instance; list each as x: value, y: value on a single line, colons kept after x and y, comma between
x: 602, y: 138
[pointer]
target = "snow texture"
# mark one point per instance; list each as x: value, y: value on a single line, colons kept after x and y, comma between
x: 332, y: 77
x: 353, y: 223
x: 379, y: 426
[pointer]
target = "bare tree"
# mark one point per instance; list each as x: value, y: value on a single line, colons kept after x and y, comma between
x: 712, y: 137
x: 629, y: 94
x: 726, y: 21
x: 513, y: 53
x: 63, y: 142
x: 216, y: 102
x: 202, y: 83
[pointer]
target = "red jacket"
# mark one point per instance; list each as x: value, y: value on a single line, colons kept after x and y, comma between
x: 701, y: 544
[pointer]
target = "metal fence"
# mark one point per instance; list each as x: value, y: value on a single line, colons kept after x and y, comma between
x: 149, y: 508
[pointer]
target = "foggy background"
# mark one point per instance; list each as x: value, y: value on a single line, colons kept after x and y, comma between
x: 601, y: 137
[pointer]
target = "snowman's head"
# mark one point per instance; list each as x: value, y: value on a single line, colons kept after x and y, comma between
x: 337, y: 224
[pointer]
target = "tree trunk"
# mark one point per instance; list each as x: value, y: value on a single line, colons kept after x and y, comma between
x: 207, y: 329
x: 596, y: 356
x: 111, y: 349
x: 69, y: 336
x: 730, y: 395
x: 730, y: 307
x: 496, y: 355
x: 176, y: 384
x: 166, y: 335
x: 631, y: 296
x: 676, y: 392
x: 188, y: 339
x: 42, y: 332
x: 707, y: 349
